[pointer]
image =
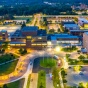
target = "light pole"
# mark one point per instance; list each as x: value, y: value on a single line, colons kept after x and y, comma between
x: 57, y: 85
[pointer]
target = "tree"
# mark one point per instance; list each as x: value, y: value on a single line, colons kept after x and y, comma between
x: 81, y: 57
x: 8, y: 17
x: 87, y: 85
x: 78, y: 51
x: 23, y: 25
x: 58, y: 29
x: 80, y: 85
x: 63, y: 72
x: 74, y: 87
x: 64, y: 81
x: 5, y: 45
x: 51, y: 31
x: 22, y: 51
x: 41, y: 86
x: 5, y: 86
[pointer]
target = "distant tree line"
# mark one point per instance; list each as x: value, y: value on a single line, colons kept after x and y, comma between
x: 30, y: 10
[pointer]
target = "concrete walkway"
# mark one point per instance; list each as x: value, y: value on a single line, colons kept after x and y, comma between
x: 34, y: 80
x: 49, y: 82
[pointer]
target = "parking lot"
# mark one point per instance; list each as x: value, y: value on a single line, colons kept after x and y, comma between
x: 74, y: 78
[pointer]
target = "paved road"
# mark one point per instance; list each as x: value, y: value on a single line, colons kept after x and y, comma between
x: 21, y: 67
x: 49, y: 82
x: 34, y: 80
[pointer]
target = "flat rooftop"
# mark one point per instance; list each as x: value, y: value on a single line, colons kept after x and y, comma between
x: 61, y: 36
x: 86, y: 33
x: 83, y: 20
x: 41, y: 33
x: 17, y: 33
x: 71, y: 25
x: 65, y: 36
x: 29, y: 28
x: 3, y: 31
x: 78, y: 30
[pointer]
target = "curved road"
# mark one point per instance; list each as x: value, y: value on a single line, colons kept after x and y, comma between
x: 23, y: 67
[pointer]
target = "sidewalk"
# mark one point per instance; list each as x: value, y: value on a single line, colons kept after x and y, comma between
x: 33, y: 83
x: 49, y: 82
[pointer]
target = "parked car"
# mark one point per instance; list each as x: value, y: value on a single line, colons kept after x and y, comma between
x: 56, y: 57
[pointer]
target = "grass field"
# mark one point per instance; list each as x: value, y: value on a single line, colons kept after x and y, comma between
x: 48, y: 62
x: 28, y: 82
x: 7, y: 57
x: 8, y: 68
x: 41, y: 79
x: 15, y: 84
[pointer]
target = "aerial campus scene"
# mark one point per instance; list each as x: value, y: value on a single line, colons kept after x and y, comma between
x: 43, y: 43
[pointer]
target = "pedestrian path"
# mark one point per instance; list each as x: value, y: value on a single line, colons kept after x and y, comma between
x: 34, y: 80
x: 49, y: 82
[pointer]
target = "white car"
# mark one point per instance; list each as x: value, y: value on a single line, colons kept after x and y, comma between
x: 56, y: 57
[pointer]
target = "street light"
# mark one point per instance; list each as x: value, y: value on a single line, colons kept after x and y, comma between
x: 57, y: 85
x: 57, y: 49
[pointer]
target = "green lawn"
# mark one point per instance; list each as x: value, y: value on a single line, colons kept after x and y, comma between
x: 41, y: 79
x: 15, y: 84
x: 28, y: 82
x: 48, y: 62
x: 69, y: 49
x: 7, y: 57
x: 8, y: 68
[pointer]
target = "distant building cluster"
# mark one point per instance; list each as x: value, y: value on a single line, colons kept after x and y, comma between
x: 80, y: 7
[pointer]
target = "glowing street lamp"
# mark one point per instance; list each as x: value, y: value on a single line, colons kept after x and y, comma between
x: 57, y: 49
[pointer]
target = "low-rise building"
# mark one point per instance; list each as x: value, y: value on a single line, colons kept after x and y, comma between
x: 3, y: 35
x: 83, y: 22
x: 29, y: 37
x: 15, y: 21
x: 71, y: 26
x: 29, y: 31
x: 77, y: 32
x: 57, y: 39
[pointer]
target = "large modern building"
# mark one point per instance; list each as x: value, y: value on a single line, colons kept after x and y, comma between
x: 56, y: 39
x: 29, y: 37
x: 85, y: 41
x: 71, y: 26
x: 77, y: 32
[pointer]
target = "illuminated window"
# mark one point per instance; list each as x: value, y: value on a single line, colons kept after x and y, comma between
x: 33, y: 44
x: 29, y: 37
x: 39, y: 37
x: 17, y: 44
x: 39, y: 44
x: 0, y: 38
